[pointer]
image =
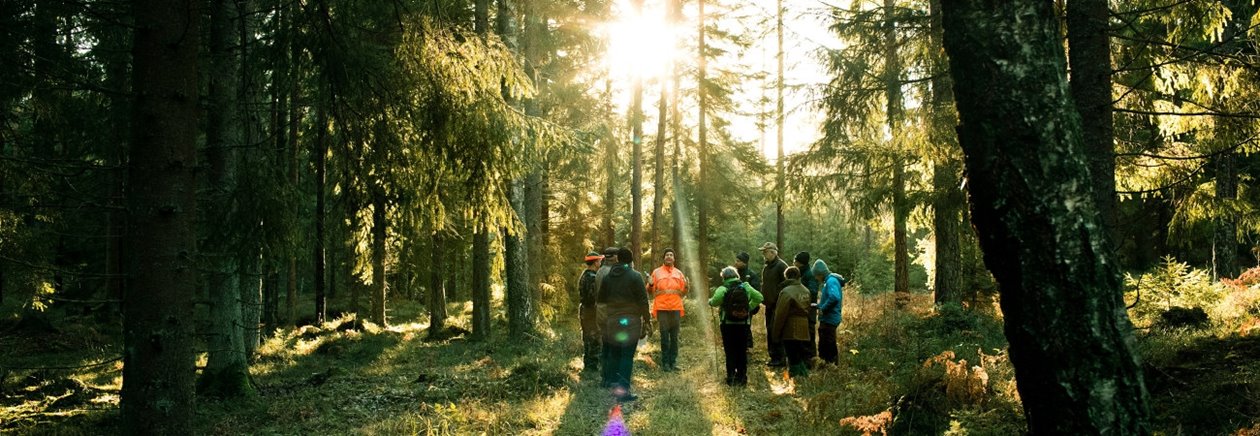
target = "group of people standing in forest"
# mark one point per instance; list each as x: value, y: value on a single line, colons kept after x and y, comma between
x: 802, y: 311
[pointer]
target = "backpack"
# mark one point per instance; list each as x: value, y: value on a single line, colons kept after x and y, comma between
x: 735, y: 303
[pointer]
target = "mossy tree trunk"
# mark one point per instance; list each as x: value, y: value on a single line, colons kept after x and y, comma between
x: 227, y: 368
x: 1034, y: 207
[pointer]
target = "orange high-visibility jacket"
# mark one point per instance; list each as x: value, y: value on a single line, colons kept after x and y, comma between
x: 667, y: 287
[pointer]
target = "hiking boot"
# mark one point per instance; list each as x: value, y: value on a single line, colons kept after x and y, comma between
x: 627, y: 398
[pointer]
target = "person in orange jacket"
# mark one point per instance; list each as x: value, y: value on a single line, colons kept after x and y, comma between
x: 667, y: 286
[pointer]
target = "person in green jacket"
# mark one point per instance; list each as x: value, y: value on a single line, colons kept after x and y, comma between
x: 791, y: 322
x: 736, y: 300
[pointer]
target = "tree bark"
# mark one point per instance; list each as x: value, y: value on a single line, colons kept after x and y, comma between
x: 779, y: 180
x: 481, y: 284
x: 636, y: 159
x: 1089, y: 56
x: 1225, y: 232
x: 321, y: 171
x: 157, y: 390
x: 658, y: 175
x: 1034, y: 207
x: 702, y: 203
x: 437, y: 286
x: 377, y: 315
x: 227, y: 367
x: 520, y: 305
x: 895, y: 112
x: 948, y: 199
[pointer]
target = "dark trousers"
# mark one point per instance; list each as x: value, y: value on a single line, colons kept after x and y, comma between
x: 813, y: 336
x: 827, y: 343
x: 734, y: 336
x: 669, y: 320
x: 590, y: 337
x: 775, y: 348
x: 797, y: 356
x: 621, y: 337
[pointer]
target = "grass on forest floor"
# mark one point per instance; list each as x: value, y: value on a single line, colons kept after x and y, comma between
x: 893, y: 375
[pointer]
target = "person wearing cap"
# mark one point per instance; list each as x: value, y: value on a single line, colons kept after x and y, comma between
x: 791, y: 322
x: 746, y: 275
x: 735, y: 332
x: 667, y: 286
x: 771, y: 284
x: 830, y: 304
x: 622, y: 298
x: 587, y: 312
x: 801, y: 262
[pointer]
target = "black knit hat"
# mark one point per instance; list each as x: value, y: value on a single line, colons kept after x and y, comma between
x: 802, y: 258
x: 742, y: 256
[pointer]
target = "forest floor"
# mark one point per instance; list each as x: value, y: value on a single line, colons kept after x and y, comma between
x: 904, y: 372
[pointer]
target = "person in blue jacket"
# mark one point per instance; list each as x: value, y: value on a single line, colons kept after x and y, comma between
x: 830, y: 303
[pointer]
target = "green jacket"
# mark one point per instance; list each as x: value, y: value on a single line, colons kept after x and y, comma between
x: 754, y: 299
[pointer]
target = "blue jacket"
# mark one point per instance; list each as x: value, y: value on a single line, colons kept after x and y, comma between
x: 830, y: 296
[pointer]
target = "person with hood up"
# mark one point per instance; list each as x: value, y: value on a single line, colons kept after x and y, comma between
x: 830, y: 304
x: 791, y: 322
x: 622, y: 299
x: 736, y: 299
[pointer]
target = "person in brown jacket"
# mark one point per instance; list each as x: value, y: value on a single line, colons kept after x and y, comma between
x: 791, y: 322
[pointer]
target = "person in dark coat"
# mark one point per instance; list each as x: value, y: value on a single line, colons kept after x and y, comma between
x: 801, y: 262
x: 622, y: 299
x: 587, y: 313
x: 771, y: 284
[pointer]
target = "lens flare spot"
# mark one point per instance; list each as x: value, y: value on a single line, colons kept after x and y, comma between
x: 621, y: 336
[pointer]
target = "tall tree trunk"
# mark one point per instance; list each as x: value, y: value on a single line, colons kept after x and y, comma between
x: 520, y: 305
x: 116, y: 81
x: 900, y: 206
x: 1034, y: 208
x: 675, y: 17
x: 377, y: 315
x: 157, y: 390
x: 948, y: 198
x: 659, y: 188
x: 321, y: 170
x: 1089, y: 57
x: 227, y: 368
x: 295, y: 165
x: 780, y: 187
x: 250, y: 93
x: 1225, y: 233
x: 481, y: 284
x: 1225, y: 164
x: 481, y: 235
x: 437, y: 286
x: 636, y: 159
x: 702, y: 203
x: 251, y: 296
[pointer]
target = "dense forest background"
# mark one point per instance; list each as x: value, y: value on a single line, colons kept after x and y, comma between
x: 227, y: 216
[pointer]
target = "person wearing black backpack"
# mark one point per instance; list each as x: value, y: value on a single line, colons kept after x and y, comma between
x: 736, y: 300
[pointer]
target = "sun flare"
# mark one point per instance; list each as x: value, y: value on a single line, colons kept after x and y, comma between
x: 639, y: 45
